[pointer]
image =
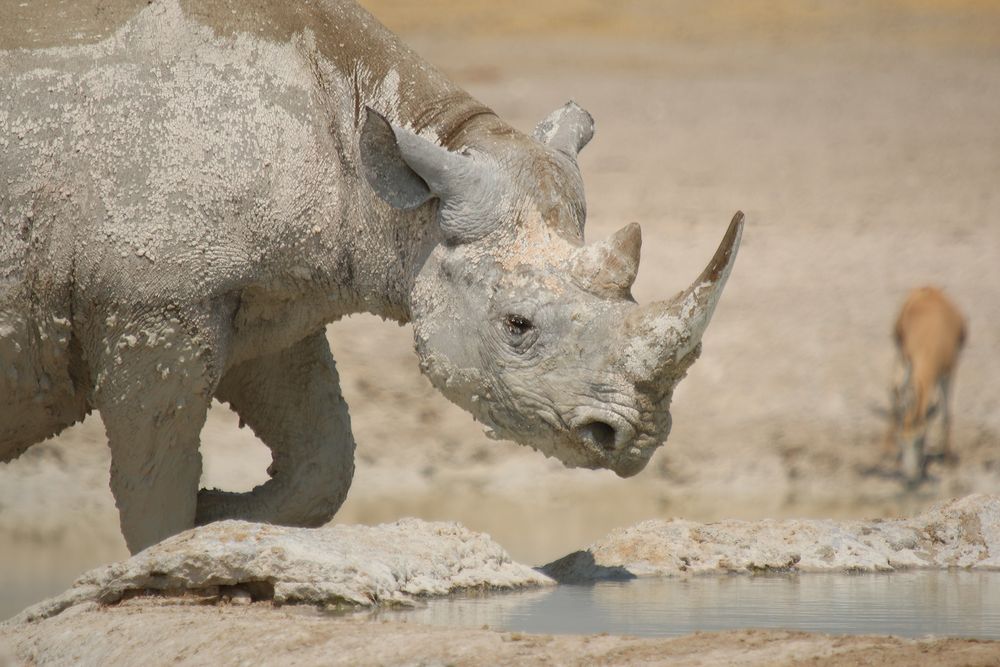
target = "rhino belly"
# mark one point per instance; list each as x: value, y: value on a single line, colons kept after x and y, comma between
x: 38, y: 394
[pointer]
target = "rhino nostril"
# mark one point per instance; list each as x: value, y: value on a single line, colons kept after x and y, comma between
x: 599, y: 433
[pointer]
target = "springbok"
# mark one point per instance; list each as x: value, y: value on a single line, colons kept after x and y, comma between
x: 930, y: 333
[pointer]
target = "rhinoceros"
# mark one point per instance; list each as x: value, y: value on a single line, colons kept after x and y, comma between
x: 190, y: 191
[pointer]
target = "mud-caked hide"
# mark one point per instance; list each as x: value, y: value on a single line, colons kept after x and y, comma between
x: 192, y: 190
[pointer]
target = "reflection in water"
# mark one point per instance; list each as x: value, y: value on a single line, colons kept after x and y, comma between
x: 912, y: 604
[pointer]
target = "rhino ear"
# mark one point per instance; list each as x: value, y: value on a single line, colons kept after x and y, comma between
x: 384, y: 167
x: 406, y: 170
x: 567, y: 129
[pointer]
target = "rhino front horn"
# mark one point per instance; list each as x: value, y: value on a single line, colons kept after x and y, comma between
x: 672, y: 329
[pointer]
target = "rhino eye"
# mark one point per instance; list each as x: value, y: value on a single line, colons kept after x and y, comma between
x: 517, y: 326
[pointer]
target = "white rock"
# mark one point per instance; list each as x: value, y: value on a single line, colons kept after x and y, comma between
x: 961, y: 533
x: 333, y: 565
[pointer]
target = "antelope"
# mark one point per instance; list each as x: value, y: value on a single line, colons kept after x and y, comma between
x: 930, y: 333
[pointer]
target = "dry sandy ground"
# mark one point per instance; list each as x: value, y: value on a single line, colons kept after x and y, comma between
x: 864, y: 146
x: 257, y: 634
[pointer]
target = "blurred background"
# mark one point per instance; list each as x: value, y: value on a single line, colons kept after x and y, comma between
x: 862, y: 140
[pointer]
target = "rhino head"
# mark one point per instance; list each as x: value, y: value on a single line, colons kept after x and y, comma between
x: 519, y: 322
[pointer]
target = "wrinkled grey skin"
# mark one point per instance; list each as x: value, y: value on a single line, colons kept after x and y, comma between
x: 190, y: 191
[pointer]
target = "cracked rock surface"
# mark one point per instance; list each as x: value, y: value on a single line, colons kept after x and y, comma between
x: 154, y: 604
x: 963, y: 533
x: 330, y: 566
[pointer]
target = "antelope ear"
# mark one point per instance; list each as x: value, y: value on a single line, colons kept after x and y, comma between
x: 384, y: 167
x: 567, y: 129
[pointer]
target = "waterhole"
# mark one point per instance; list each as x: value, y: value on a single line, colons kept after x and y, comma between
x: 909, y: 604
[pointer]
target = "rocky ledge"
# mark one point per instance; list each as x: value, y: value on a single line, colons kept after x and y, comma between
x: 963, y: 533
x: 239, y: 562
x: 139, y: 610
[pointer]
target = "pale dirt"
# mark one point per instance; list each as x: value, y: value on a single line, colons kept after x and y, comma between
x: 259, y: 634
x: 864, y: 146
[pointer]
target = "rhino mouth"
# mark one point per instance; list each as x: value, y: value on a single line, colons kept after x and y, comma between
x: 631, y: 467
x: 627, y: 463
x: 594, y: 436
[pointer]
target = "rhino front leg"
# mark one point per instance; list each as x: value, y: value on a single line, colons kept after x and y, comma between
x: 293, y: 403
x: 154, y: 386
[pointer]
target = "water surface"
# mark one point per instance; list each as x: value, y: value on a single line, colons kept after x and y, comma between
x: 910, y: 604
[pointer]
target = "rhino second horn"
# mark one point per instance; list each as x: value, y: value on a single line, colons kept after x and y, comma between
x: 608, y: 268
x: 677, y: 325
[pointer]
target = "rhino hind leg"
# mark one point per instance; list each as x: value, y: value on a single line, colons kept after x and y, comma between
x: 293, y: 403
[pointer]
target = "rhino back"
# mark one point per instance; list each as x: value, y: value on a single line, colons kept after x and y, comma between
x: 174, y: 152
x: 159, y: 133
x: 341, y: 39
